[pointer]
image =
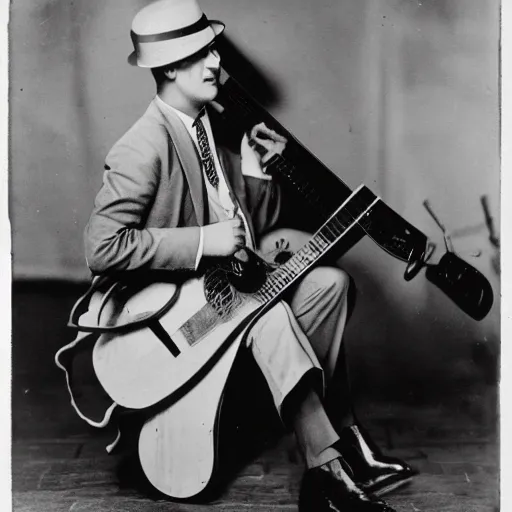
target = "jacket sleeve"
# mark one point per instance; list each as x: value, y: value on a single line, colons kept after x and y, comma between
x: 116, y: 237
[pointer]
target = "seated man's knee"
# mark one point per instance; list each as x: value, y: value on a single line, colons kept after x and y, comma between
x: 273, y: 321
x: 331, y: 281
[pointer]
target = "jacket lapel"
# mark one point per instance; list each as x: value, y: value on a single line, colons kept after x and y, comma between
x: 189, y: 159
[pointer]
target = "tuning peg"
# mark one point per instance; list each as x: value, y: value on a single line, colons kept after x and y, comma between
x: 447, y: 239
x: 418, y: 261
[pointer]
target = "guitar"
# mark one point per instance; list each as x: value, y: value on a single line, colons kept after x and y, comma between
x: 302, y: 174
x: 167, y: 357
x: 180, y: 361
x: 170, y: 346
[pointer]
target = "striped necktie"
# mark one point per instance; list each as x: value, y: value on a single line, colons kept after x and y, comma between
x: 206, y: 153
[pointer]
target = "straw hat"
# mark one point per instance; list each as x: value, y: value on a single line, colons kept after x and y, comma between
x: 167, y: 31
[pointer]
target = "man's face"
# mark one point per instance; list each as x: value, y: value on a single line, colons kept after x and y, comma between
x: 197, y: 77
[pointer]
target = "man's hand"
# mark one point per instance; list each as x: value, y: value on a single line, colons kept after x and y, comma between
x: 224, y: 238
x: 266, y: 142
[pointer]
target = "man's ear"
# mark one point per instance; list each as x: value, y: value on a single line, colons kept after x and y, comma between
x: 170, y: 73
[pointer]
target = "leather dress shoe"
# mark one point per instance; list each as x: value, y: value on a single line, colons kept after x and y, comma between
x: 373, y: 471
x: 324, y: 491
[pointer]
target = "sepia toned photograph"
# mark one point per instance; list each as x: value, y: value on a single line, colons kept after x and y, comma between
x: 255, y: 255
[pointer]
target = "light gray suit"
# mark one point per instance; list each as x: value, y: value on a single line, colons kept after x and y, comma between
x: 147, y: 216
x: 153, y: 199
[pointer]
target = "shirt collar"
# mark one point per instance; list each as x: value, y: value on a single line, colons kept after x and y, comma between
x: 188, y: 121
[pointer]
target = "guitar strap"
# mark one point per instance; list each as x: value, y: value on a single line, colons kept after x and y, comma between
x: 64, y: 358
x: 86, y: 317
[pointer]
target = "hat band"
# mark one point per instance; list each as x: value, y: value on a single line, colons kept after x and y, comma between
x: 199, y: 25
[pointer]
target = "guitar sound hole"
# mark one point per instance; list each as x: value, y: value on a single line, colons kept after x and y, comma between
x: 220, y: 294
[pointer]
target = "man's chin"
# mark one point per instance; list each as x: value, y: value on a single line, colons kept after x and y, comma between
x: 214, y: 90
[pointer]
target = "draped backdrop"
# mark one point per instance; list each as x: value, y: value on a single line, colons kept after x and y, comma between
x: 401, y: 95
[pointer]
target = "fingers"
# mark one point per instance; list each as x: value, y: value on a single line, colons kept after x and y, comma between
x: 239, y: 234
x: 237, y: 223
x: 262, y: 128
x: 266, y: 142
x: 238, y: 228
x: 239, y: 238
x: 240, y: 242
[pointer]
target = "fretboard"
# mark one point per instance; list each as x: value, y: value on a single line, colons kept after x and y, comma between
x: 355, y: 209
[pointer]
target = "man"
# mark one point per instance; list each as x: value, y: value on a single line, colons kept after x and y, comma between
x: 172, y: 199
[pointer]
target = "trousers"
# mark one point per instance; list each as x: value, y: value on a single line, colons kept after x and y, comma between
x: 301, y: 336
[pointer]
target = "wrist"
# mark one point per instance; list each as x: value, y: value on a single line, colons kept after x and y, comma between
x: 206, y: 240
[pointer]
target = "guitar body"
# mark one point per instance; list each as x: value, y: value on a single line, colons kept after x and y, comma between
x: 171, y: 353
x: 182, y: 358
x: 139, y: 368
x: 177, y: 447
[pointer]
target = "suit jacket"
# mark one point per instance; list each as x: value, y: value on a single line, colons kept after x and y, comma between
x: 153, y: 199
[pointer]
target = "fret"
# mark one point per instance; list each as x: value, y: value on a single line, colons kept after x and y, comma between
x: 309, y: 248
x: 266, y: 296
x: 274, y: 289
x: 314, y: 245
x: 323, y: 236
x: 299, y: 259
x: 305, y: 258
x: 317, y: 248
x: 342, y: 221
x: 333, y: 230
x: 279, y: 279
x: 332, y: 234
x: 288, y: 277
x: 320, y: 242
x: 293, y: 264
x: 280, y: 273
x: 306, y: 255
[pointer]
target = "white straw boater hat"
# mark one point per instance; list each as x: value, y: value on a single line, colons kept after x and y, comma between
x: 168, y: 31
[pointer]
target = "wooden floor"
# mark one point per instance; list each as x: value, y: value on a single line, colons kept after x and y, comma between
x: 60, y: 465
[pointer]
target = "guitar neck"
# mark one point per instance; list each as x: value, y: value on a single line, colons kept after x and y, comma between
x: 354, y: 210
x: 278, y: 164
x: 318, y: 186
x: 242, y: 111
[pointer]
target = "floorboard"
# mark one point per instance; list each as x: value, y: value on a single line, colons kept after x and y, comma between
x: 62, y: 466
